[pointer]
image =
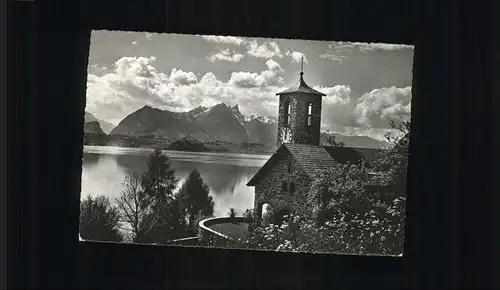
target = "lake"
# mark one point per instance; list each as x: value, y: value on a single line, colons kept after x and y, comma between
x: 104, y: 169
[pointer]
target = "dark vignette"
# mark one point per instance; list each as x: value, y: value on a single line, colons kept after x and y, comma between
x: 449, y: 173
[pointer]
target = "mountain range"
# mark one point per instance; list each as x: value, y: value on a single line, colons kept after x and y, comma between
x: 220, y: 123
x: 104, y: 126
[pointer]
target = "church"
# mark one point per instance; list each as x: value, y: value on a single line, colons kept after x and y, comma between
x: 284, y: 181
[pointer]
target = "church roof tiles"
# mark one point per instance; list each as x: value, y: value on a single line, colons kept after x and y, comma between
x: 312, y: 158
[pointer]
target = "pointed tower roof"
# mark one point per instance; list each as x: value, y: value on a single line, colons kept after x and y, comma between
x: 301, y: 86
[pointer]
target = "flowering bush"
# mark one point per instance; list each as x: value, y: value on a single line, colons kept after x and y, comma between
x: 371, y: 233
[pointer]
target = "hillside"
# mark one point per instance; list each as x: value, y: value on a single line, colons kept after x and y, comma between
x: 105, y: 126
x: 93, y: 127
x: 188, y: 144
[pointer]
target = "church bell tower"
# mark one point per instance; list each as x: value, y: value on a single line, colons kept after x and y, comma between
x: 299, y: 116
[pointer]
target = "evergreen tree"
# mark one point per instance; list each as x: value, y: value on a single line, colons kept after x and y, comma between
x: 196, y: 199
x: 99, y: 220
x: 159, y: 182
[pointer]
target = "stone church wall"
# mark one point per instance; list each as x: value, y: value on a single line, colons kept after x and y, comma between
x: 269, y: 189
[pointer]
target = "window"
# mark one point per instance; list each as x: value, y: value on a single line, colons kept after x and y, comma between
x: 292, y: 187
x: 309, y: 114
x: 287, y: 113
x: 290, y: 167
x: 284, y: 186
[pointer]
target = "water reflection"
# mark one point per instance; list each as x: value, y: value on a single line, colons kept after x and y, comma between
x: 225, y: 174
x: 92, y: 158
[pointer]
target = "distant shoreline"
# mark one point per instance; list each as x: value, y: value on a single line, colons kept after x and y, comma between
x: 151, y: 142
x: 143, y: 149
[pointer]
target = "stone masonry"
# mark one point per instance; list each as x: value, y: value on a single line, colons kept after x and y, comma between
x: 297, y: 121
x: 269, y: 190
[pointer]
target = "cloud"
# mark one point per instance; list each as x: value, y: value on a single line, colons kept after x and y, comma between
x: 97, y: 69
x: 337, y: 108
x: 331, y: 56
x: 271, y: 77
x: 376, y: 108
x: 367, y: 47
x: 372, y: 110
x: 180, y: 77
x: 296, y: 56
x: 226, y: 55
x: 134, y: 82
x: 223, y: 39
x: 266, y: 50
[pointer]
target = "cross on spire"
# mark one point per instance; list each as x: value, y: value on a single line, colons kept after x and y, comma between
x: 302, y: 65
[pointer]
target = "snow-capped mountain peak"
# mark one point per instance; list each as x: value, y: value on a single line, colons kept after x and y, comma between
x: 260, y: 118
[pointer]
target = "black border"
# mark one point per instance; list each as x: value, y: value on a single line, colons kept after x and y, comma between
x: 449, y: 163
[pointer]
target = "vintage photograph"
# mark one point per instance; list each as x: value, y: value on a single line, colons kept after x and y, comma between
x: 250, y: 143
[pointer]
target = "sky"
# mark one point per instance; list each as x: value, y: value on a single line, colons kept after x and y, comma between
x: 366, y: 84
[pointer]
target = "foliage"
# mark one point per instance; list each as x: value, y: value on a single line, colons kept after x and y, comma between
x: 99, y: 220
x: 394, y: 160
x: 249, y: 214
x: 149, y: 205
x: 339, y: 190
x: 173, y: 223
x: 330, y: 140
x: 136, y: 210
x: 364, y: 234
x: 196, y: 200
x: 159, y: 182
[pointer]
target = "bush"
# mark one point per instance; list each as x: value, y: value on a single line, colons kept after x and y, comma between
x: 99, y: 220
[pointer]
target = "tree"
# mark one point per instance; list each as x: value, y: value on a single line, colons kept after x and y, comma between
x: 99, y: 220
x: 173, y: 221
x: 249, y: 214
x: 394, y: 159
x: 196, y: 199
x: 136, y: 209
x: 232, y: 213
x: 339, y: 190
x: 159, y: 182
x: 330, y: 140
x: 167, y: 216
